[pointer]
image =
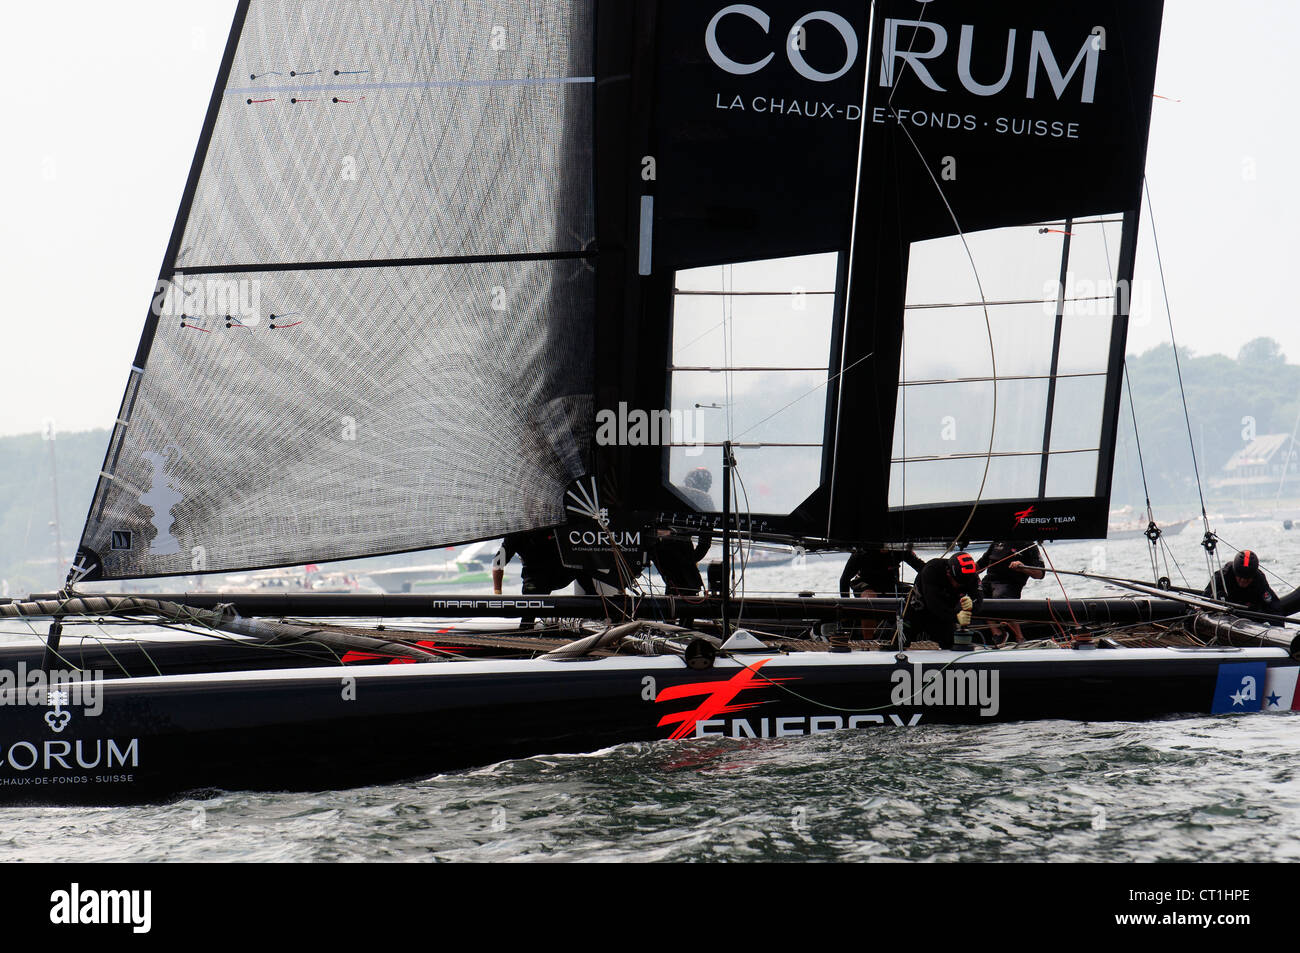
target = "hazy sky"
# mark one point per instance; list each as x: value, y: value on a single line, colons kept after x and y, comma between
x: 103, y: 105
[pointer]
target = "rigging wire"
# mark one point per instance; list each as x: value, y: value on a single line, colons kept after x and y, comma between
x: 1168, y: 554
x: 1207, y: 542
x: 1153, y: 533
x: 974, y: 268
x: 988, y: 323
x: 744, y: 555
x: 825, y: 383
x: 988, y: 326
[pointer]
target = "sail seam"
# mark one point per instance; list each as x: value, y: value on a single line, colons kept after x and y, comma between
x: 430, y: 84
x: 383, y: 263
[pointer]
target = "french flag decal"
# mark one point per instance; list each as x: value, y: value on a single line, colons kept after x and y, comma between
x: 1279, y: 689
x: 1239, y: 688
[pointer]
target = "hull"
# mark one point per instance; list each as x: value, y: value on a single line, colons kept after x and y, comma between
x: 314, y: 728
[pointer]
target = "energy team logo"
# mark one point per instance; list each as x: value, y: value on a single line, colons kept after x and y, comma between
x: 719, y: 701
x: 1050, y: 523
x: 706, y: 721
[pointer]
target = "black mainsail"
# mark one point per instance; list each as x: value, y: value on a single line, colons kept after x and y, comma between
x: 374, y: 321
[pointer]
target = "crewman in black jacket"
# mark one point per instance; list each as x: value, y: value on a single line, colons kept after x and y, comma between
x: 873, y: 571
x: 543, y: 569
x: 1243, y: 582
x: 677, y: 560
x: 1007, y: 567
x: 943, y: 597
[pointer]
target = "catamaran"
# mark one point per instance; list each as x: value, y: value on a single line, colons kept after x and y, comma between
x: 442, y: 273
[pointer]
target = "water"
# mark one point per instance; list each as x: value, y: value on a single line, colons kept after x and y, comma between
x: 1199, y: 789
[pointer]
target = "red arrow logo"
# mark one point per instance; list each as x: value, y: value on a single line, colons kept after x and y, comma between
x: 719, y: 701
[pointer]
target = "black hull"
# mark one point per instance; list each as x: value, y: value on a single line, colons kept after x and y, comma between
x: 315, y: 729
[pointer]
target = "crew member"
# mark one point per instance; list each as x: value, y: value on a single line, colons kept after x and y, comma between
x: 945, y: 594
x: 678, y: 561
x: 1007, y: 567
x: 543, y: 570
x: 674, y: 556
x: 1243, y: 582
x: 696, y: 489
x: 872, y: 572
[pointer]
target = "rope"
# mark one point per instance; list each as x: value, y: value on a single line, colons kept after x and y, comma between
x: 1062, y: 585
x: 1152, y: 533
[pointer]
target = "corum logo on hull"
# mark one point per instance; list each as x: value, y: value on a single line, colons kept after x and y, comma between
x: 64, y: 762
x: 919, y: 45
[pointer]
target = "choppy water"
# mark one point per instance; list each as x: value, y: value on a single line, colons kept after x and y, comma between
x: 1208, y: 788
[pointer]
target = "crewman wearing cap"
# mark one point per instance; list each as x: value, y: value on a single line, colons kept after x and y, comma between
x: 945, y: 594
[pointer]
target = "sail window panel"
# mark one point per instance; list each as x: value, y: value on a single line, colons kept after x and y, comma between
x: 1094, y: 256
x: 1076, y: 420
x: 751, y: 343
x: 931, y: 482
x: 812, y: 273
x: 953, y: 343
x: 427, y: 143
x: 766, y: 406
x: 758, y: 331
x: 1020, y: 263
x: 775, y: 479
x: 946, y: 419
x: 1086, y: 328
x: 1072, y: 474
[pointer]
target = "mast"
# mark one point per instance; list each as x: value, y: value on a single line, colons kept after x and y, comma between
x: 728, y: 461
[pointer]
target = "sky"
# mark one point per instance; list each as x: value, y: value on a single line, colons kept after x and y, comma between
x: 103, y: 105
